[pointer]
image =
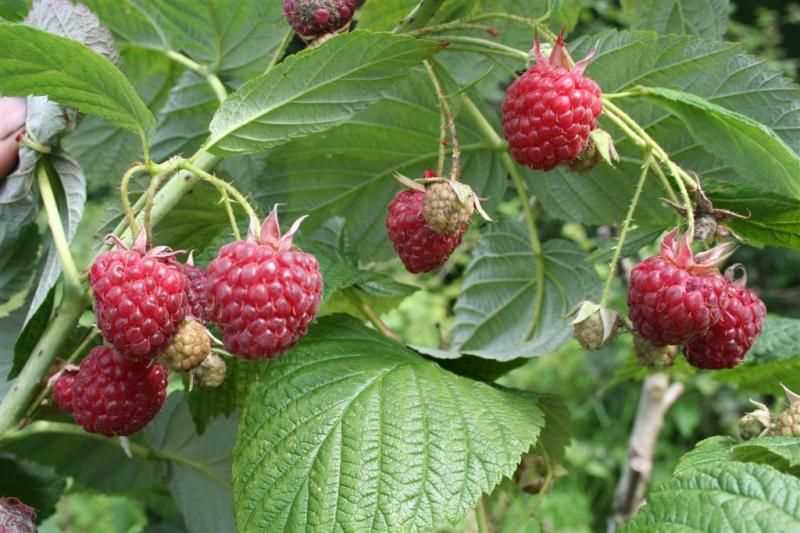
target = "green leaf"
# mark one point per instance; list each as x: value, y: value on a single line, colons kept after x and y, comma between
x: 705, y: 453
x: 15, y: 262
x: 724, y: 497
x: 314, y: 90
x: 13, y: 10
x: 72, y: 75
x: 496, y: 310
x: 202, y: 471
x: 351, y: 431
x: 704, y: 18
x: 196, y: 221
x: 774, y: 359
x: 782, y: 453
x: 34, y: 485
x: 236, y: 38
x: 762, y: 159
x: 347, y: 171
x: 206, y: 403
x: 384, y: 15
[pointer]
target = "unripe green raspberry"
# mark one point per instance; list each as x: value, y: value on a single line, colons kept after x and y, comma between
x: 594, y: 326
x: 787, y: 424
x: 653, y: 356
x: 190, y: 346
x: 444, y: 211
x: 211, y: 372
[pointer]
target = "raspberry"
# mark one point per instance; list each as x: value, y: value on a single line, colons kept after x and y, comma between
x: 674, y: 296
x: 139, y: 299
x: 264, y: 292
x: 420, y: 247
x: 653, y: 356
x: 787, y: 424
x: 196, y: 293
x: 62, y: 390
x: 114, y: 395
x: 189, y: 347
x: 755, y: 423
x: 594, y: 326
x: 443, y: 210
x: 726, y: 343
x: 16, y: 517
x: 211, y: 372
x: 13, y: 111
x: 312, y: 18
x: 550, y: 110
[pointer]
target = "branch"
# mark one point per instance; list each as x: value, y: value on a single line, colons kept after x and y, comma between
x: 656, y: 399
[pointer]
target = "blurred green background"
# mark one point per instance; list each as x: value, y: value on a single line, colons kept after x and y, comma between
x: 602, y: 400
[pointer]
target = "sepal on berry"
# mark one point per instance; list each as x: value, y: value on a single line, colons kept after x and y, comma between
x: 755, y: 423
x: 652, y: 355
x: 211, y: 372
x: 594, y: 326
x: 269, y: 233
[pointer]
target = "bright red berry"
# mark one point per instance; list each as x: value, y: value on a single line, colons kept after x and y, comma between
x: 16, y: 517
x: 312, y: 18
x: 62, y: 390
x: 674, y: 296
x: 550, y: 110
x: 113, y: 395
x: 139, y: 298
x: 420, y: 247
x: 740, y: 320
x: 264, y: 292
x: 197, y: 305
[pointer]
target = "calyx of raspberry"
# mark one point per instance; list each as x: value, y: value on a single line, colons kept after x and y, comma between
x: 677, y: 248
x: 559, y: 56
x: 755, y: 423
x: 141, y: 246
x: 594, y: 326
x: 269, y: 233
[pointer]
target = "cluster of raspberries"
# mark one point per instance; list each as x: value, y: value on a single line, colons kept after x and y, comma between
x: 677, y: 298
x: 261, y: 292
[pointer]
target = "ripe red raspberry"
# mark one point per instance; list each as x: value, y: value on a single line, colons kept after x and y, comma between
x: 420, y: 247
x: 674, y: 296
x: 312, y: 18
x: 727, y: 342
x: 139, y: 298
x: 62, y: 389
x: 550, y: 110
x: 197, y: 305
x: 16, y: 517
x: 264, y: 292
x: 113, y: 395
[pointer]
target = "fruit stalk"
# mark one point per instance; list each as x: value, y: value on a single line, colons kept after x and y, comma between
x: 612, y: 267
x: 72, y: 279
x: 213, y: 81
x: 447, y: 118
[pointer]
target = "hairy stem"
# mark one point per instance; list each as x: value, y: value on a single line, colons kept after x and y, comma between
x: 612, y: 267
x: 124, y: 197
x: 447, y: 117
x: 372, y: 315
x: 213, y: 81
x: 72, y: 278
x: 231, y: 215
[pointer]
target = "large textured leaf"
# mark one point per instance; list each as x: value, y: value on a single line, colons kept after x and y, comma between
x: 500, y: 313
x: 70, y: 74
x: 705, y: 18
x: 347, y: 171
x: 782, y: 453
x: 352, y: 432
x: 774, y: 359
x: 314, y: 90
x: 234, y: 37
x: 723, y: 498
x: 384, y: 15
x: 203, y: 471
x: 761, y: 158
x: 714, y: 71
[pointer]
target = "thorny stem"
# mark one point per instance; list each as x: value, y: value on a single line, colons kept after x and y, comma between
x: 447, y: 116
x: 216, y: 85
x: 494, y: 139
x: 612, y: 267
x: 138, y: 449
x: 72, y: 278
x: 222, y: 184
x: 130, y: 216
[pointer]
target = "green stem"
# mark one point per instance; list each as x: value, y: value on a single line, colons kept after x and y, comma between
x: 222, y: 184
x: 61, y: 325
x: 213, y: 81
x: 522, y: 191
x: 486, y: 45
x: 447, y: 116
x: 419, y: 16
x: 372, y: 315
x: 231, y: 216
x: 455, y: 25
x: 535, y: 24
x: 155, y: 181
x: 140, y: 450
x: 281, y: 49
x: 72, y: 278
x: 612, y: 267
x: 482, y: 516
x: 130, y: 215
